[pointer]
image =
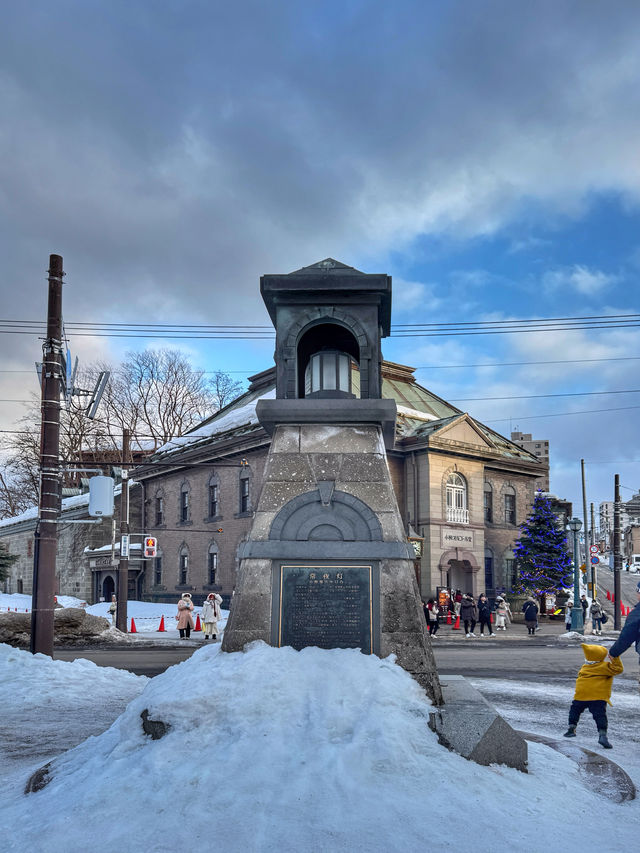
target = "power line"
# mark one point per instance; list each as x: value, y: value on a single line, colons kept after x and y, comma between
x: 521, y: 363
x: 537, y: 396
x: 436, y: 366
x: 553, y: 415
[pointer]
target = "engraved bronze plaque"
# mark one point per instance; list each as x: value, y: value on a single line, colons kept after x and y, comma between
x: 326, y: 606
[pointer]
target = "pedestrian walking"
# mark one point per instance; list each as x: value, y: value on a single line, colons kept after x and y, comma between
x: 185, y: 621
x: 530, y: 610
x: 431, y: 612
x: 503, y: 613
x: 593, y: 691
x: 596, y: 616
x: 113, y: 609
x: 630, y: 633
x: 567, y: 615
x: 210, y: 615
x: 585, y: 606
x: 484, y: 615
x: 468, y: 614
x: 457, y: 603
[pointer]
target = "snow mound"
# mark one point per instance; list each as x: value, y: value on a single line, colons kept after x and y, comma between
x: 277, y: 750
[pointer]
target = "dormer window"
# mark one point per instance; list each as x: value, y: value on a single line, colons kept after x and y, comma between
x: 328, y: 374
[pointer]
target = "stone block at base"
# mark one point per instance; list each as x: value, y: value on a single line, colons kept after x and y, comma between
x: 471, y: 726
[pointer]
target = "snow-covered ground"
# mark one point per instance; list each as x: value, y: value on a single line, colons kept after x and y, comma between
x: 276, y: 750
x: 145, y: 614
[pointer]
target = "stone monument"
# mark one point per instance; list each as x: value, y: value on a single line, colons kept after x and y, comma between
x: 327, y: 562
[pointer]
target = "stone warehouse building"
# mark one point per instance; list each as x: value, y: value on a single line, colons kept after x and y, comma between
x: 462, y: 489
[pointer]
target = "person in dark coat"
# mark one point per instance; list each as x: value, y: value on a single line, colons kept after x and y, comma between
x: 484, y: 615
x: 530, y: 610
x: 468, y: 614
x: 630, y: 633
x: 585, y: 607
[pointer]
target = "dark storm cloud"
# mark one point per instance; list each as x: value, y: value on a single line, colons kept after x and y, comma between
x: 174, y: 151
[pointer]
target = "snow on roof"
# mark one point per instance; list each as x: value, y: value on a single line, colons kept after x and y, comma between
x: 66, y: 504
x: 230, y: 419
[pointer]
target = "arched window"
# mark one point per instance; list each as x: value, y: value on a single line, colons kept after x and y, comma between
x: 457, y: 499
x: 510, y: 571
x: 212, y: 564
x: 185, y: 509
x: 244, y: 492
x: 488, y: 502
x: 509, y: 505
x: 183, y: 566
x: 213, y: 498
x: 159, y: 508
x: 488, y: 569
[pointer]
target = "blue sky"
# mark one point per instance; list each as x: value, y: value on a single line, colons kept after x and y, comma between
x: 484, y: 155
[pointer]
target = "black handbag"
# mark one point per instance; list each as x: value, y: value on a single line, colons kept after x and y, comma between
x: 604, y: 617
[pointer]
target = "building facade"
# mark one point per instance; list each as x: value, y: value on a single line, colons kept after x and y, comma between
x: 538, y: 447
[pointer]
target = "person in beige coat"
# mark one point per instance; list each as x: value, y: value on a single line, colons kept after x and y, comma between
x: 185, y: 621
x: 210, y: 615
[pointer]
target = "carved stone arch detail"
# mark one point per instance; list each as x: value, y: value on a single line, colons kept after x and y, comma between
x: 346, y: 518
x: 332, y: 315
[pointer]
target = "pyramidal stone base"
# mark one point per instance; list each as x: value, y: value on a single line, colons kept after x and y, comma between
x: 327, y: 562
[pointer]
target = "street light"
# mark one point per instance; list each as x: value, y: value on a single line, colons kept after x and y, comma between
x: 577, y: 623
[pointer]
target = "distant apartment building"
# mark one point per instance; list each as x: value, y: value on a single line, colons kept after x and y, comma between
x: 538, y: 447
x: 629, y: 515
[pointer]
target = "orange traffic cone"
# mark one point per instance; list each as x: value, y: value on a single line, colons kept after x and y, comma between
x: 133, y: 627
x: 448, y: 617
x: 622, y: 608
x: 608, y: 596
x: 198, y: 625
x: 162, y: 628
x: 456, y: 627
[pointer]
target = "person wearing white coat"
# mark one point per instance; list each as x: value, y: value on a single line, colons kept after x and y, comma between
x: 210, y: 615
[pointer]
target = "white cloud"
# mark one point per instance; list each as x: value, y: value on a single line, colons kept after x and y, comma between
x: 580, y: 278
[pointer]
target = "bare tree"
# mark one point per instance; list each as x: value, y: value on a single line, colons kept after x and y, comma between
x: 155, y: 394
x: 224, y: 388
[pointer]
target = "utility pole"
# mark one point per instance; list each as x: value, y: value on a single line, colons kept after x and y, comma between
x: 46, y: 537
x: 593, y: 542
x: 123, y: 567
x: 617, y: 556
x: 589, y: 571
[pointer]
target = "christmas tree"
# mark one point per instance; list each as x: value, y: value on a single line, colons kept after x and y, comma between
x: 541, y: 558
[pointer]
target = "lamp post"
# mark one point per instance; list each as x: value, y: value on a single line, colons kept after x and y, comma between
x: 577, y: 623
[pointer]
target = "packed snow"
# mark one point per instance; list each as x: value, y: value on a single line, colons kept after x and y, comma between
x: 277, y: 750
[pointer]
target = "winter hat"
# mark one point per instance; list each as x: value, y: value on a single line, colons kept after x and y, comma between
x: 186, y: 595
x: 211, y: 595
x: 594, y: 654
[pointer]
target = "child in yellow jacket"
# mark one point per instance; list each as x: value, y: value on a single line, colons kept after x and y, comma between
x: 593, y: 691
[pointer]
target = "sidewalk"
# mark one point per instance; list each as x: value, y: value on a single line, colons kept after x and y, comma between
x: 517, y: 631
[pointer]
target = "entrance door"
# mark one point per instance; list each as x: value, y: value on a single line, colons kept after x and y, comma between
x: 459, y: 576
x: 108, y: 588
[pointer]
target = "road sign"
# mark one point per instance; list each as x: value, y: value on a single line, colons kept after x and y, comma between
x: 594, y: 549
x: 595, y: 561
x: 124, y: 545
